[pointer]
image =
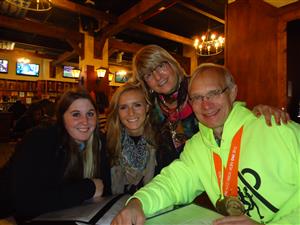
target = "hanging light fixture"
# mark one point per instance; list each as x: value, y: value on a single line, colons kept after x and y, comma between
x: 209, y: 44
x: 33, y: 5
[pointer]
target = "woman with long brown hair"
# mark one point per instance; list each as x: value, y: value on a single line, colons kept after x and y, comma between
x: 62, y: 165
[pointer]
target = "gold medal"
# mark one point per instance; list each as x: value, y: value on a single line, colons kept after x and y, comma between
x: 230, y: 206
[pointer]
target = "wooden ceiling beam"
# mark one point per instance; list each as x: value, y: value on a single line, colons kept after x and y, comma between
x: 64, y: 57
x: 132, y: 14
x: 78, y: 48
x: 123, y: 46
x: 39, y: 28
x: 161, y: 8
x: 27, y: 53
x: 75, y: 39
x: 123, y: 20
x: 197, y: 10
x: 162, y: 34
x: 84, y: 10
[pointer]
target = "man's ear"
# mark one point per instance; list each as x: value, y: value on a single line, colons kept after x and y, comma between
x: 233, y: 93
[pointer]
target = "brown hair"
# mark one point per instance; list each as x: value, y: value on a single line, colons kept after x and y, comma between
x: 85, y: 164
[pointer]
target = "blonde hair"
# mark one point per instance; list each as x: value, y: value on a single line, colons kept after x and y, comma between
x: 148, y: 58
x: 114, y: 125
x: 88, y: 159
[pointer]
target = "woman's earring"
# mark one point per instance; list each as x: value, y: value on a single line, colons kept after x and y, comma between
x: 151, y: 91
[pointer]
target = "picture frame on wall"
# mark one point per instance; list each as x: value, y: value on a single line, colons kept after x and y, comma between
x: 121, y: 77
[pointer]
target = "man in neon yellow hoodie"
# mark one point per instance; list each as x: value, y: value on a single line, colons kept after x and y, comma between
x: 235, y: 158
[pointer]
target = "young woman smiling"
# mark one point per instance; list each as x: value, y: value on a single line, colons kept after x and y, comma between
x: 130, y: 139
x: 62, y: 165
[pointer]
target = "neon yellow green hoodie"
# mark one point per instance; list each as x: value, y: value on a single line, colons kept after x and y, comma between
x: 269, y: 170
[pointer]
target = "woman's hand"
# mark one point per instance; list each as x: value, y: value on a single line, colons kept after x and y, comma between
x: 269, y: 111
x: 99, y: 187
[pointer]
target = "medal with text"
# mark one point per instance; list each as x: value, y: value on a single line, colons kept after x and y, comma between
x: 228, y: 204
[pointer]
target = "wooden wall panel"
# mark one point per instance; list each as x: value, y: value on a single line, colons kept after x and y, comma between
x: 251, y: 51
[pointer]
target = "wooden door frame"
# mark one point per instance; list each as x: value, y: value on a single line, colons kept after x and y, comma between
x: 284, y: 18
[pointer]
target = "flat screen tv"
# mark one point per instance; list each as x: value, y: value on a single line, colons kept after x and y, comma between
x: 28, y: 69
x: 121, y: 78
x: 67, y: 71
x: 3, y: 66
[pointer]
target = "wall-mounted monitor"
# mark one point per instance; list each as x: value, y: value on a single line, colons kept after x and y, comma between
x: 28, y: 69
x: 121, y: 77
x: 67, y: 71
x: 3, y: 66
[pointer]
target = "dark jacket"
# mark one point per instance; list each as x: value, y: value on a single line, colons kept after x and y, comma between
x: 37, y: 175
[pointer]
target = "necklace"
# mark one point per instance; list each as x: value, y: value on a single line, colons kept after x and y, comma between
x: 174, y: 122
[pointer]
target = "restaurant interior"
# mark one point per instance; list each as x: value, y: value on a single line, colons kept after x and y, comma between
x: 47, y: 47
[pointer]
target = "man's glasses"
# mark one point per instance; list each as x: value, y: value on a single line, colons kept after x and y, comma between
x: 210, y: 96
x: 158, y: 69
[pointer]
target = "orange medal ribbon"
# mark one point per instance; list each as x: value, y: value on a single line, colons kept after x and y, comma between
x: 230, y: 178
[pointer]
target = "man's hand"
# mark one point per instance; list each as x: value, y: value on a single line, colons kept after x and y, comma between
x: 269, y: 111
x: 132, y: 214
x: 235, y: 220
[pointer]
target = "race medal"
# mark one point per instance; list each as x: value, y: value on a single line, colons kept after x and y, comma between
x: 220, y: 206
x: 229, y: 204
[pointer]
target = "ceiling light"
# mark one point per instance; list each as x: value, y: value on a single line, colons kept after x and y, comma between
x: 23, y: 60
x: 33, y: 5
x: 209, y: 44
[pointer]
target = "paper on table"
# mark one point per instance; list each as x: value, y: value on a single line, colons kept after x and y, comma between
x: 113, y: 211
x: 187, y: 215
x: 83, y: 213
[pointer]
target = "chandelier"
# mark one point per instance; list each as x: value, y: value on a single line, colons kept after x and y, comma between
x: 33, y: 5
x: 210, y: 44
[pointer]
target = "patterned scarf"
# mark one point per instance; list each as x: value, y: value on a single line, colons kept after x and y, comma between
x: 134, y: 155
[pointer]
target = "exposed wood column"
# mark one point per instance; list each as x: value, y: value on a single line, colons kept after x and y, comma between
x: 89, y: 64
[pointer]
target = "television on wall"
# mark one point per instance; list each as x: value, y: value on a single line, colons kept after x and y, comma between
x: 28, y: 69
x: 3, y: 66
x: 121, y: 77
x: 67, y: 71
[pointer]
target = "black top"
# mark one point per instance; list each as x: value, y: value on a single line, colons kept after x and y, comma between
x: 37, y: 175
